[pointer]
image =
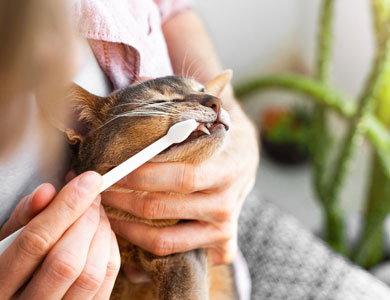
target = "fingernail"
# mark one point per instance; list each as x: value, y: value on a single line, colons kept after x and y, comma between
x: 27, y: 203
x: 90, y: 181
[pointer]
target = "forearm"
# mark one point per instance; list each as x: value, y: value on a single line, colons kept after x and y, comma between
x: 190, y: 48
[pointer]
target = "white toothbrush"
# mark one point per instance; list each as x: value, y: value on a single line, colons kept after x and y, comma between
x: 176, y: 134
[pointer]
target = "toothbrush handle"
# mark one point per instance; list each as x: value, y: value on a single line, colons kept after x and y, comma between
x: 134, y: 162
x: 113, y: 176
x: 8, y: 240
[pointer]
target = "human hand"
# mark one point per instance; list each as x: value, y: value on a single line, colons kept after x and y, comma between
x: 210, y: 195
x: 67, y: 247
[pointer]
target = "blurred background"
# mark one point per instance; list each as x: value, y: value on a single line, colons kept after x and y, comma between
x: 259, y: 38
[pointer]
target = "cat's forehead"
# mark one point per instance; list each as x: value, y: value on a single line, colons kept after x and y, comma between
x: 164, y: 88
x: 175, y: 84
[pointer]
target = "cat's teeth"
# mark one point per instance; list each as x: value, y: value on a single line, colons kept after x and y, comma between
x: 204, y: 129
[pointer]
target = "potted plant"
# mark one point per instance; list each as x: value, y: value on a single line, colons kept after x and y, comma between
x: 285, y: 134
x: 368, y: 117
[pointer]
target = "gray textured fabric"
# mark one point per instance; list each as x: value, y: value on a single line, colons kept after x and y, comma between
x: 286, y: 262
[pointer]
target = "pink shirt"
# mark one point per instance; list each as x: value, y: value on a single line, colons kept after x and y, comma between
x: 126, y: 36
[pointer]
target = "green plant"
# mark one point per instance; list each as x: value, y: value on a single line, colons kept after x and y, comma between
x: 368, y: 116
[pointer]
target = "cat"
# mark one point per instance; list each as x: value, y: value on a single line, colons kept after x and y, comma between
x: 122, y: 124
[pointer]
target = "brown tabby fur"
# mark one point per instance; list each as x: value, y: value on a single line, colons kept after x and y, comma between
x: 121, y: 125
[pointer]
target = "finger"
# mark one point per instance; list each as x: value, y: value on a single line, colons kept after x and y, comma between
x: 182, y: 237
x: 199, y: 206
x: 28, y: 208
x: 178, y: 177
x: 112, y: 271
x: 223, y: 253
x: 22, y: 257
x: 66, y: 260
x: 94, y: 272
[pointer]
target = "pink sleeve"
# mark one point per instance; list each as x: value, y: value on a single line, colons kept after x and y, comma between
x: 170, y: 8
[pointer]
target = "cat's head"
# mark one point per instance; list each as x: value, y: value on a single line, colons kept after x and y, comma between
x: 130, y: 119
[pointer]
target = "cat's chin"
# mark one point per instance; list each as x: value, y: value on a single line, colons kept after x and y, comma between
x: 196, y: 149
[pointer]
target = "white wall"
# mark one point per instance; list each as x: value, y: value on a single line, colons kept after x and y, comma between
x: 353, y: 41
x: 251, y: 34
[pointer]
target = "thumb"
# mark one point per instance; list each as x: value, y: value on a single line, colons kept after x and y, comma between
x: 28, y: 208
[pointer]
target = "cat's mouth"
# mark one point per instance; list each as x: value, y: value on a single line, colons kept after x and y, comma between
x: 211, y: 131
x: 207, y: 128
x: 204, y: 130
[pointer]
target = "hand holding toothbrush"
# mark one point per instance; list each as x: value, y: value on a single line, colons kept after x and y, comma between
x: 67, y: 244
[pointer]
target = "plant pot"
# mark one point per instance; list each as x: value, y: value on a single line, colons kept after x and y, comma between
x: 285, y: 134
x: 284, y: 153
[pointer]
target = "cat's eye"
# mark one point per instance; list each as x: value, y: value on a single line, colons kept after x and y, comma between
x: 202, y: 90
x: 178, y: 100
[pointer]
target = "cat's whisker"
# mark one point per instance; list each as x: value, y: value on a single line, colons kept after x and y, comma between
x: 197, y: 71
x: 184, y: 62
x: 190, y: 66
x: 165, y: 106
x: 140, y: 114
x: 146, y: 113
x: 141, y: 104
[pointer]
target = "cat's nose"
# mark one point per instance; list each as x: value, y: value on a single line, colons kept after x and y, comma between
x: 214, y: 103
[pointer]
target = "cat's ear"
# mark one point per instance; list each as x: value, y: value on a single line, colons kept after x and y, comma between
x: 90, y: 111
x: 89, y: 107
x: 73, y: 137
x: 215, y: 86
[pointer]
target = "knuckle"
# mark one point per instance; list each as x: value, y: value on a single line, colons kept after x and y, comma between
x: 113, y: 267
x: 92, y: 219
x: 71, y: 202
x: 225, y: 210
x: 114, y: 262
x: 153, y: 209
x: 162, y: 246
x: 35, y: 242
x: 223, y: 214
x: 230, y: 177
x: 226, y: 258
x: 227, y: 234
x: 187, y: 178
x: 145, y: 176
x: 65, y: 266
x: 91, y: 278
x: 230, y: 252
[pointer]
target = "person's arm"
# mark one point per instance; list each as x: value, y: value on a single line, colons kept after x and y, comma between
x: 211, y: 194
